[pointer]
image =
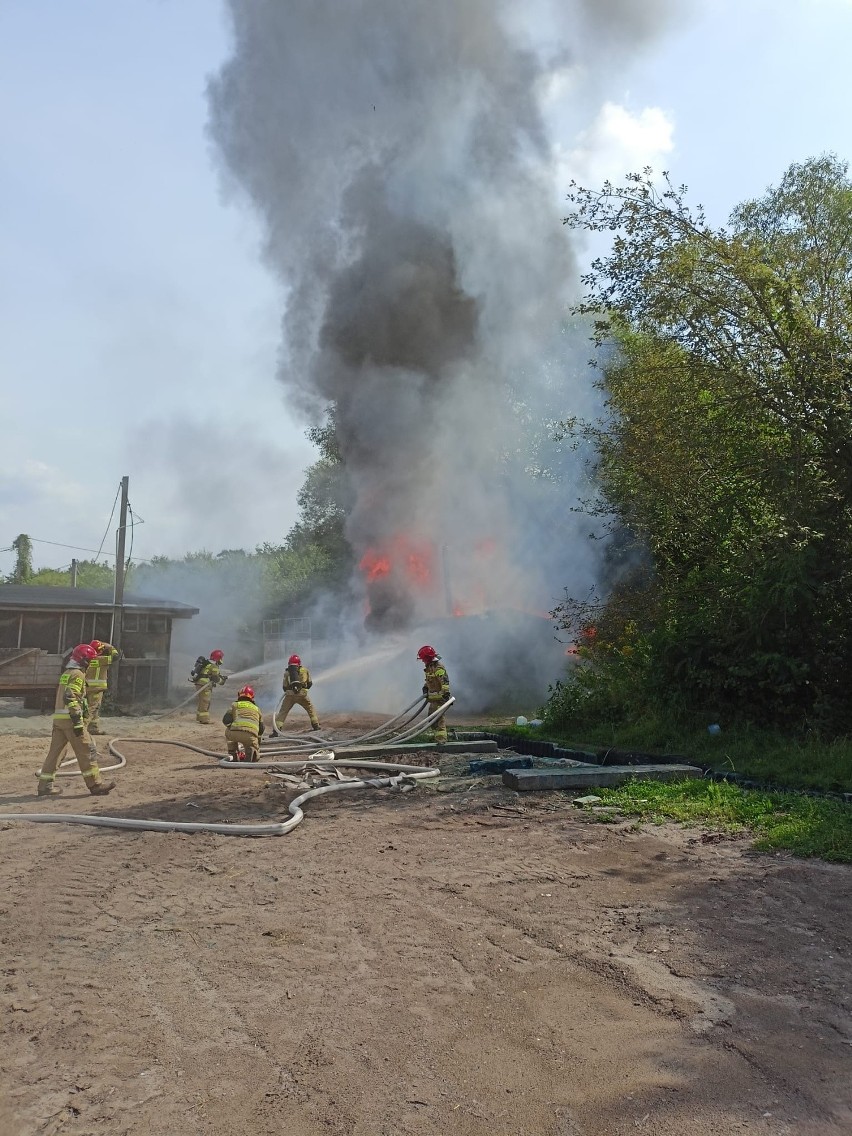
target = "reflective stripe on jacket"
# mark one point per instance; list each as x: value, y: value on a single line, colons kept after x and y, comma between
x: 97, y: 671
x: 244, y: 715
x: 209, y: 673
x: 304, y: 679
x: 71, y: 695
x: 437, y: 682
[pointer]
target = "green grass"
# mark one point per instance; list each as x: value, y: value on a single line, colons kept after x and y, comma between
x: 790, y: 763
x: 805, y: 826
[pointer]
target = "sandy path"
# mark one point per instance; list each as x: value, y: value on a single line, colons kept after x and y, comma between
x: 437, y: 962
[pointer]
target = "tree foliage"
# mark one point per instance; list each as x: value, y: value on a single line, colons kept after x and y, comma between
x: 90, y: 574
x: 727, y: 446
x: 23, y: 569
x: 315, y: 555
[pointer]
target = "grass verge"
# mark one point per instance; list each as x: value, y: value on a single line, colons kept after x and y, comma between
x: 791, y: 763
x: 805, y: 826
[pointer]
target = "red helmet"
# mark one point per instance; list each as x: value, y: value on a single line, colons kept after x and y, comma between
x: 217, y: 656
x: 294, y: 661
x: 427, y: 654
x: 246, y: 692
x: 97, y: 644
x: 84, y: 653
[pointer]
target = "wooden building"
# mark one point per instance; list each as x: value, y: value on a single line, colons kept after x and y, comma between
x: 39, y: 625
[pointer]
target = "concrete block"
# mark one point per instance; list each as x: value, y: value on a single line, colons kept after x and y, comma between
x: 587, y: 777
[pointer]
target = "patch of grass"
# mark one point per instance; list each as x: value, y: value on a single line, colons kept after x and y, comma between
x: 805, y: 826
x: 795, y: 763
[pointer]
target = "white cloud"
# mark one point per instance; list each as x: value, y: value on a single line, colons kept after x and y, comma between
x: 619, y: 141
x: 48, y: 503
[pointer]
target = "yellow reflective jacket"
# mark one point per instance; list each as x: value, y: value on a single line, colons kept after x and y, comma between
x: 208, y: 673
x: 97, y: 671
x: 437, y: 684
x: 71, y: 695
x: 244, y: 715
x: 301, y: 681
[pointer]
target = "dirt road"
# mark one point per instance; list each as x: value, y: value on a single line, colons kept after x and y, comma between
x: 440, y: 962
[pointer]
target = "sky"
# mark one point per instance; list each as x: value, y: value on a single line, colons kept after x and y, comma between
x: 139, y: 324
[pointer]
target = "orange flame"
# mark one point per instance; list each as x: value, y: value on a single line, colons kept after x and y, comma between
x: 374, y: 566
x: 410, y: 558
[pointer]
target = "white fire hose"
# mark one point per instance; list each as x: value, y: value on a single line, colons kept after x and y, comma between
x: 408, y: 731
x: 401, y: 777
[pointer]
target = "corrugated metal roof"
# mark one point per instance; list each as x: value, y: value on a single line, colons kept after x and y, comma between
x: 23, y: 597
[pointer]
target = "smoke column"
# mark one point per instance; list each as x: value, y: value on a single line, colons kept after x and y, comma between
x: 397, y: 153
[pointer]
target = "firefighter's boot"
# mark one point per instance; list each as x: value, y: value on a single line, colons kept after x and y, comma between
x: 47, y: 787
x: 101, y: 788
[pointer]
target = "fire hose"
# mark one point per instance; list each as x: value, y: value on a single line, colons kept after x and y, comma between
x: 393, y: 738
x: 172, y: 709
x: 401, y: 777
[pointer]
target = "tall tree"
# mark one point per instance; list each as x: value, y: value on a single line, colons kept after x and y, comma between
x: 23, y: 569
x: 315, y: 554
x: 728, y: 444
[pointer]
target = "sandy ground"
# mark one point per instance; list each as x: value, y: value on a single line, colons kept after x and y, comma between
x: 458, y: 959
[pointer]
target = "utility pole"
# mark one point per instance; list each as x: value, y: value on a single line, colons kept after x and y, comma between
x: 120, y: 542
x: 73, y: 573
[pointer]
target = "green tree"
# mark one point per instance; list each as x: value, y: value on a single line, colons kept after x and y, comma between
x: 23, y: 569
x: 727, y: 447
x: 315, y: 555
x: 90, y: 574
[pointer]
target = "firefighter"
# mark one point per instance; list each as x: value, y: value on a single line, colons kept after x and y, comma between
x: 244, y: 726
x: 96, y: 681
x: 436, y: 687
x: 297, y: 682
x: 205, y: 675
x: 69, y: 728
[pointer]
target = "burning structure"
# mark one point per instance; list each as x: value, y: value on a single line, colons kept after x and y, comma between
x: 399, y: 157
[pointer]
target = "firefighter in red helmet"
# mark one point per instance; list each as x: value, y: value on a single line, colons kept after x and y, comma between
x: 205, y: 676
x: 297, y: 683
x: 436, y: 687
x: 244, y: 726
x: 97, y: 675
x: 69, y: 728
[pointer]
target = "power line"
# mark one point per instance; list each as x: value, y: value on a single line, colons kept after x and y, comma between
x: 133, y: 522
x: 109, y: 522
x: 76, y: 547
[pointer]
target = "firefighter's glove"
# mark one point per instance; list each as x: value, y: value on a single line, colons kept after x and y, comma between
x: 78, y: 727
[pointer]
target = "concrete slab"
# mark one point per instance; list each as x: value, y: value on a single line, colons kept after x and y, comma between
x: 594, y: 776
